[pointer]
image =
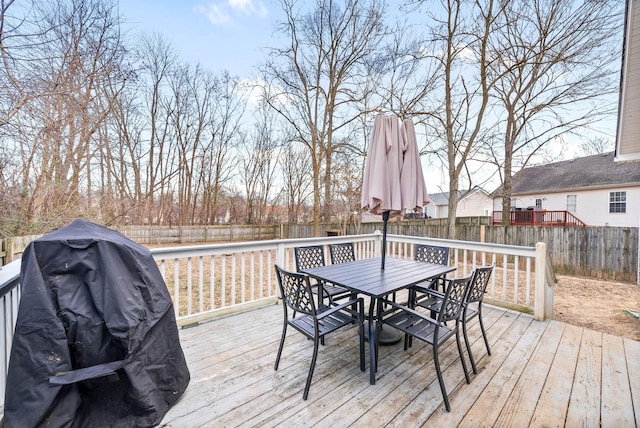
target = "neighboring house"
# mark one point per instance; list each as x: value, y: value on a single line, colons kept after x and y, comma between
x: 597, y: 190
x: 471, y: 203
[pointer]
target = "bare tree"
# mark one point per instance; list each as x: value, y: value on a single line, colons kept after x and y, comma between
x: 58, y: 134
x: 457, y: 113
x: 555, y: 64
x: 258, y: 161
x: 315, y: 78
x: 157, y: 61
x: 347, y: 184
x: 295, y: 165
x: 596, y: 145
x: 220, y: 158
x: 25, y: 31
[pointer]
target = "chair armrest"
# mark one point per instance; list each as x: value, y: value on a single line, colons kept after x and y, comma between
x: 411, y: 311
x: 429, y: 294
x: 345, y: 305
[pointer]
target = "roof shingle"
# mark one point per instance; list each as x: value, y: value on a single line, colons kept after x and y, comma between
x: 586, y: 172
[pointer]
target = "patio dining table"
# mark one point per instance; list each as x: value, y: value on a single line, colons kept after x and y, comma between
x: 366, y: 277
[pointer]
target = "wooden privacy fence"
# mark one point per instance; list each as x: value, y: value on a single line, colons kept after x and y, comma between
x: 11, y: 248
x: 598, y: 252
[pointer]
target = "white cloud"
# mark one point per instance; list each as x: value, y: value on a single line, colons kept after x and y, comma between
x: 249, y: 7
x: 221, y: 13
x: 215, y: 13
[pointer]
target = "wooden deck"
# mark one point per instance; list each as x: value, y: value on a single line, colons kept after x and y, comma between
x: 539, y: 374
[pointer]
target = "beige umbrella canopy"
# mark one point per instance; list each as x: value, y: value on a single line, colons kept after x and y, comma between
x: 393, y: 181
x: 413, y: 190
x: 381, y: 190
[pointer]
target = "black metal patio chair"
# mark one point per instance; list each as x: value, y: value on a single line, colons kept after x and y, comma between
x: 435, y: 331
x: 428, y: 254
x: 342, y: 253
x: 471, y: 307
x: 312, y: 322
x: 311, y: 257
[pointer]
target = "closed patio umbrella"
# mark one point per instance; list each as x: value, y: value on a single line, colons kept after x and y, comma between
x: 413, y: 189
x: 393, y: 179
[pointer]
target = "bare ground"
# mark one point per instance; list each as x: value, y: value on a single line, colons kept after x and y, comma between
x: 598, y: 305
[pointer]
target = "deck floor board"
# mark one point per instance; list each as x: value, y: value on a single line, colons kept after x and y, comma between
x: 538, y: 374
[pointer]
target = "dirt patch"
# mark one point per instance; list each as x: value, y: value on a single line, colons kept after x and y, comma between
x: 598, y: 305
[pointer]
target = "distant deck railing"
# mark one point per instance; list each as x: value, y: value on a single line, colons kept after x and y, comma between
x: 539, y: 218
x: 208, y: 281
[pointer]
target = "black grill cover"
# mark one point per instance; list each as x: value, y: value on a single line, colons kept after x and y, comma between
x: 96, y: 342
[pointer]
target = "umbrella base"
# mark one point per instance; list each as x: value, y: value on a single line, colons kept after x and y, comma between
x: 388, y: 335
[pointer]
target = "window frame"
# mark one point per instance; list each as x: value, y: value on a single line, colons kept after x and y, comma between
x: 573, y: 204
x: 618, y: 202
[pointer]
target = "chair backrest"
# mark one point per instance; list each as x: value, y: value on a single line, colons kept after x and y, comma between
x: 432, y: 254
x: 479, y: 281
x: 295, y: 290
x: 309, y: 257
x: 454, y: 295
x: 342, y: 253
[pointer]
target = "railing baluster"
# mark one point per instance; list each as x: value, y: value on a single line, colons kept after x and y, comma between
x: 243, y: 285
x: 252, y: 275
x: 223, y: 279
x: 528, y: 281
x: 212, y: 282
x: 189, y: 290
x: 176, y: 286
x: 505, y: 270
x: 201, y: 283
x: 515, y: 279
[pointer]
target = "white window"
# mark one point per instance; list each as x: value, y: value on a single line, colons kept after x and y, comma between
x: 538, y: 203
x: 572, y: 203
x: 618, y: 202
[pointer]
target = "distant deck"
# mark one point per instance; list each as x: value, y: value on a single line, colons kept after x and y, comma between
x: 539, y: 218
x: 540, y: 373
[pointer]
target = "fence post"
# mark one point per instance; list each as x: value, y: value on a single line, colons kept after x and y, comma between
x: 11, y: 250
x: 544, y: 294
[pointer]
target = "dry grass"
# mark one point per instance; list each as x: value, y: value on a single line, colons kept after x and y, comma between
x: 598, y: 305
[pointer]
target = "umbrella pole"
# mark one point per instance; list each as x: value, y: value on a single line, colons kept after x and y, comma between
x: 385, y: 219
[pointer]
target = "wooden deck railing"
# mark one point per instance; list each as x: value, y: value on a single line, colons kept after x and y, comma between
x: 539, y: 218
x: 207, y: 281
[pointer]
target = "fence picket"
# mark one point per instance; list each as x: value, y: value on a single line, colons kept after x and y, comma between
x: 599, y: 252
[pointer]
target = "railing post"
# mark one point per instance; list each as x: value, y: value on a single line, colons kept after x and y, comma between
x: 378, y: 244
x: 544, y: 294
x: 280, y: 252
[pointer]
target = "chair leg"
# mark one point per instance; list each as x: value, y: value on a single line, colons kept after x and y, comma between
x: 466, y: 341
x: 411, y: 302
x: 316, y: 342
x: 440, y: 379
x: 284, y: 333
x: 361, y: 334
x: 484, y: 334
x: 459, y: 345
